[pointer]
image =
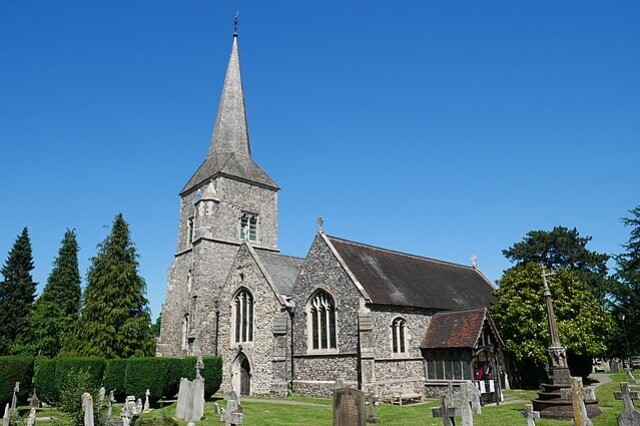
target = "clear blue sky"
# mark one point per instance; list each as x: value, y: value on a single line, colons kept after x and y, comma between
x: 437, y: 128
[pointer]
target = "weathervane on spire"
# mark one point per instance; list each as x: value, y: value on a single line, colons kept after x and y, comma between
x: 236, y: 21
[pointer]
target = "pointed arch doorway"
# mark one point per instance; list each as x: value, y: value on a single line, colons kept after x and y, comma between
x: 241, y: 378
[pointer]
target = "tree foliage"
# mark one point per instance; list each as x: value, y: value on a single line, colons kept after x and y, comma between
x: 56, y: 310
x: 520, y: 312
x: 564, y: 248
x: 17, y: 292
x: 627, y: 291
x: 114, y: 320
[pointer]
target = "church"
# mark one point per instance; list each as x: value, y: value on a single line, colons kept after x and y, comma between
x: 378, y: 319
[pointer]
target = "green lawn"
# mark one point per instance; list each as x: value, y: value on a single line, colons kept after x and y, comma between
x: 507, y: 414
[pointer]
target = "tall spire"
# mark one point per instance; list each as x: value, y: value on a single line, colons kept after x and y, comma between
x: 231, y: 133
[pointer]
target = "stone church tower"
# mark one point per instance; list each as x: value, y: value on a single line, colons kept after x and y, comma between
x: 227, y: 201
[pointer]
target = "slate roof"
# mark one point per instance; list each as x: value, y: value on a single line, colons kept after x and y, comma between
x: 394, y: 278
x: 232, y: 165
x: 454, y: 329
x: 282, y: 269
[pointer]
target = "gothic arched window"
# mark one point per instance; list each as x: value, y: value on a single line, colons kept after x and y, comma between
x: 243, y: 316
x: 185, y: 331
x: 398, y: 335
x: 322, y: 321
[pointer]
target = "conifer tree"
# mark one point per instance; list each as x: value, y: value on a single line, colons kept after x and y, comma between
x: 114, y: 319
x: 56, y: 310
x: 17, y: 291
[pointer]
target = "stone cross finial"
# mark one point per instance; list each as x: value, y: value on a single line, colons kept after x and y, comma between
x: 320, y: 224
x: 236, y: 22
x: 580, y: 417
x: 530, y: 415
x: 474, y: 260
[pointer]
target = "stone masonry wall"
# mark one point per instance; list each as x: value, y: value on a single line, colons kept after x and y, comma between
x: 315, y: 372
x: 215, y: 242
x: 245, y: 273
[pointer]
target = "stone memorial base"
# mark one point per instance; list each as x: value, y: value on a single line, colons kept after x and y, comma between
x: 553, y: 402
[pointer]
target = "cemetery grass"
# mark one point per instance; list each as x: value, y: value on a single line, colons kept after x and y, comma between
x: 266, y: 413
x: 507, y: 414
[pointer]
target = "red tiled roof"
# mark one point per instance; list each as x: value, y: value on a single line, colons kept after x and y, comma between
x: 454, y: 329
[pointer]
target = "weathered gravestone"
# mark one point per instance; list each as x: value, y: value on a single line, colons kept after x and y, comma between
x: 146, y: 408
x: 14, y: 400
x: 348, y: 407
x: 129, y: 411
x: 5, y: 418
x: 580, y: 417
x: 469, y: 405
x: 530, y: 415
x: 190, y: 405
x: 101, y: 394
x: 31, y: 420
x: 87, y: 408
x: 372, y: 417
x: 110, y: 409
x: 630, y: 416
x: 232, y: 415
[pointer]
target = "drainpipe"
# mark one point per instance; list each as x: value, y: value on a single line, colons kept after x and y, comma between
x: 291, y: 309
x: 216, y: 307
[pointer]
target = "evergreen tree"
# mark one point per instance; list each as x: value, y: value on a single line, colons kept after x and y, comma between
x: 17, y: 291
x: 114, y: 319
x: 627, y: 293
x: 56, y: 310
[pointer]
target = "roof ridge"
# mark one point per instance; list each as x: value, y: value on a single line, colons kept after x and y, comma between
x: 258, y: 250
x: 466, y: 311
x: 444, y: 262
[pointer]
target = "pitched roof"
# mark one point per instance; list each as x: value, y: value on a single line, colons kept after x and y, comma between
x: 283, y: 270
x: 232, y: 165
x: 454, y: 329
x: 229, y: 150
x: 394, y: 278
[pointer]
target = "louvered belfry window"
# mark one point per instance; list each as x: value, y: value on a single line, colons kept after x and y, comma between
x: 249, y: 227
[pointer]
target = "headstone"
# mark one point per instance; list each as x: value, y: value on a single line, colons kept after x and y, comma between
x: 630, y: 375
x: 348, y: 407
x: 469, y: 402
x: 14, y: 400
x: 87, y: 408
x: 111, y: 401
x: 233, y: 401
x: 190, y: 405
x: 101, y: 395
x: 580, y: 417
x: 184, y: 391
x: 216, y: 408
x: 236, y: 417
x: 199, y: 366
x: 530, y: 415
x: 446, y: 410
x: 31, y: 420
x: 139, y: 406
x: 630, y: 416
x: 34, y: 402
x: 339, y: 383
x: 5, y: 419
x: 506, y: 381
x: 372, y: 417
x: 129, y: 410
x: 146, y: 408
x: 223, y: 414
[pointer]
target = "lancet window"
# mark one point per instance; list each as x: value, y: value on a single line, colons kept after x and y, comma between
x: 398, y: 335
x: 243, y: 316
x: 322, y: 321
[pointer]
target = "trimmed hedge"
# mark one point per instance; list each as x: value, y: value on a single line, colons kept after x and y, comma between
x: 131, y: 376
x: 15, y: 369
x: 44, y: 379
x: 114, y: 378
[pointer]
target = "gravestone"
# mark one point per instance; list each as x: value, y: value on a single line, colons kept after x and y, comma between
x: 348, y: 407
x: 190, y: 405
x: 236, y: 417
x: 87, y: 408
x: 372, y: 417
x: 139, y: 405
x: 101, y: 395
x: 31, y: 420
x: 129, y: 411
x: 146, y: 408
x: 5, y: 419
x: 111, y: 401
x: 14, y: 400
x: 233, y: 402
x: 34, y: 401
x: 446, y: 411
x: 630, y: 416
x: 469, y: 402
x: 530, y: 415
x: 580, y: 417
